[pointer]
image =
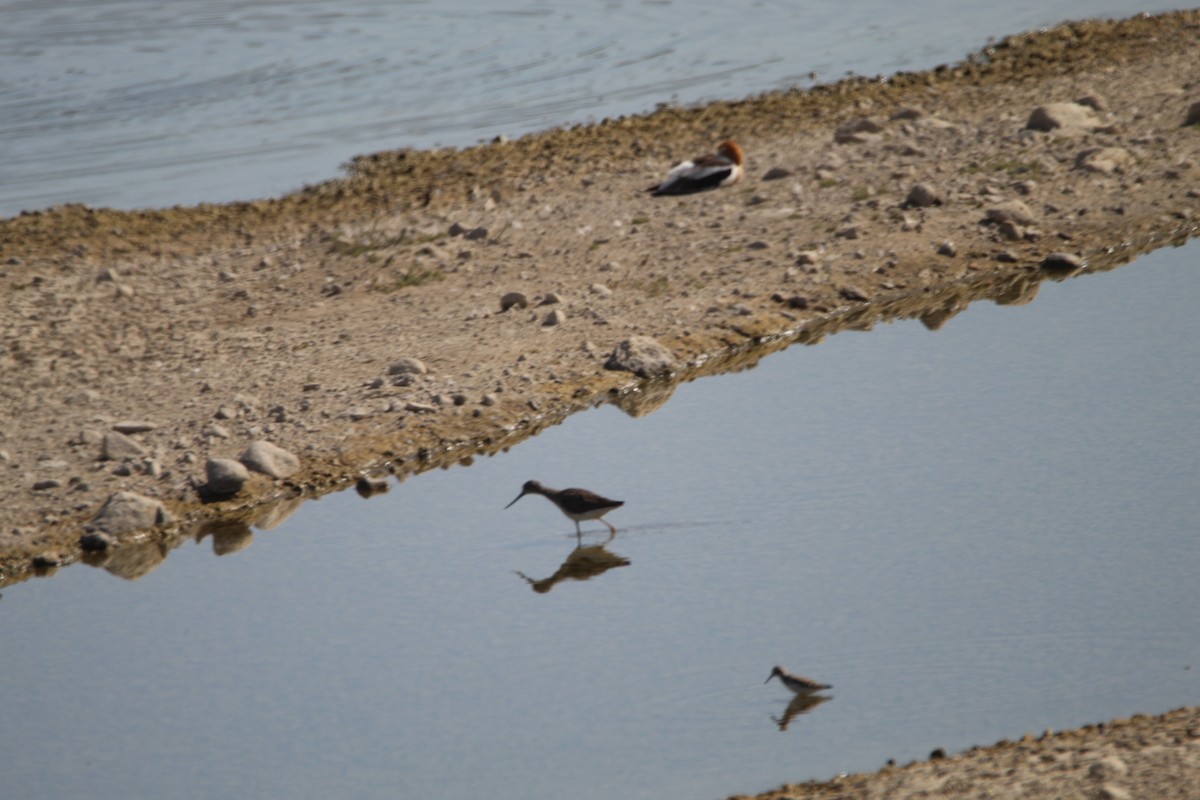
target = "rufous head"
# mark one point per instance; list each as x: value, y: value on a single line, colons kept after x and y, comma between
x: 733, y: 151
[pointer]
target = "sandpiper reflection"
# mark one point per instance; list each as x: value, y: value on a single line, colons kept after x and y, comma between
x: 800, y: 704
x: 585, y: 561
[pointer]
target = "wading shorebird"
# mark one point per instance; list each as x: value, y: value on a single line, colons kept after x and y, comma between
x: 704, y: 172
x: 578, y: 504
x: 797, y: 683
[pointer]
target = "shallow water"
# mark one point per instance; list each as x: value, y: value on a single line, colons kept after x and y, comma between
x: 973, y: 533
x: 136, y: 103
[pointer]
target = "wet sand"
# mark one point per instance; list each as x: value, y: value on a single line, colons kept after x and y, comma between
x: 194, y: 332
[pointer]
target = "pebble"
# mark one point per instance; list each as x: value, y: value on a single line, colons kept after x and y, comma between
x: 644, y: 356
x: 555, y: 317
x: 1011, y: 211
x: 96, y: 542
x: 921, y: 195
x: 117, y: 446
x: 133, y: 426
x: 125, y: 511
x: 270, y: 459
x: 48, y: 483
x: 600, y: 290
x: 419, y: 408
x: 853, y: 294
x: 1062, y: 117
x: 215, y: 431
x: 368, y: 487
x: 1193, y: 114
x: 513, y: 300
x: 225, y: 476
x: 776, y: 173
x: 408, y: 366
x: 947, y: 249
x: 1062, y: 262
x: 1103, y: 160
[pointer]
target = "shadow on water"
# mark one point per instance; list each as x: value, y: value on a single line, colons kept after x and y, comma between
x: 134, y: 557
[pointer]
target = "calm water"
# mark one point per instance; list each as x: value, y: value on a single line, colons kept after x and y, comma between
x: 134, y: 103
x: 973, y: 534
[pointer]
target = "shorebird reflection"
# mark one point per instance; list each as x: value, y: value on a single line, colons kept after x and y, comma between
x: 582, y: 563
x: 800, y: 704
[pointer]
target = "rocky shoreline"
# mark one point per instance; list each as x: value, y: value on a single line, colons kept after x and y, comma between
x: 178, y: 372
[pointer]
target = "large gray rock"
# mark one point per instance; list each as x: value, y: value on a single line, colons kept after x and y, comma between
x: 126, y: 511
x: 225, y: 476
x: 270, y: 459
x: 643, y: 356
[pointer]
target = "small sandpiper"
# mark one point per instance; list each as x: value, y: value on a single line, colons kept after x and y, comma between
x: 578, y: 504
x: 797, y: 683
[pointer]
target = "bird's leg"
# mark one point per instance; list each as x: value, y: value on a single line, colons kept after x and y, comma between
x: 578, y: 532
x: 610, y: 525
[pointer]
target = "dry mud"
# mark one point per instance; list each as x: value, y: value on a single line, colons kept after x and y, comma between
x: 215, y: 326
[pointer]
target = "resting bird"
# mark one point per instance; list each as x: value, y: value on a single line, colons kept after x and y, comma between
x: 704, y: 172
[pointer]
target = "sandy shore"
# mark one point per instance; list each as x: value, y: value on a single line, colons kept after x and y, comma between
x: 357, y: 325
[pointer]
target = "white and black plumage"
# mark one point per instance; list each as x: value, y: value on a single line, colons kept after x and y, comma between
x: 705, y: 172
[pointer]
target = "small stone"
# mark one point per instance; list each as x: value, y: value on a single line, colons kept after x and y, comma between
x: 1064, y: 117
x: 1103, y: 160
x: 225, y: 476
x: 270, y: 459
x: 549, y: 299
x: 758, y: 245
x: 126, y: 511
x: 1108, y: 767
x: 947, y: 249
x: 368, y: 486
x: 1112, y: 792
x: 776, y: 173
x: 133, y: 426
x: 853, y: 294
x: 117, y: 446
x: 643, y: 356
x: 488, y: 400
x: 921, y: 195
x: 47, y: 483
x: 96, y: 542
x: 420, y: 408
x: 1062, y: 262
x: 215, y: 431
x: 1011, y: 211
x: 513, y: 300
x: 408, y: 366
x: 808, y: 257
x: 476, y: 234
x: 600, y: 290
x: 1193, y: 114
x: 937, y: 754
